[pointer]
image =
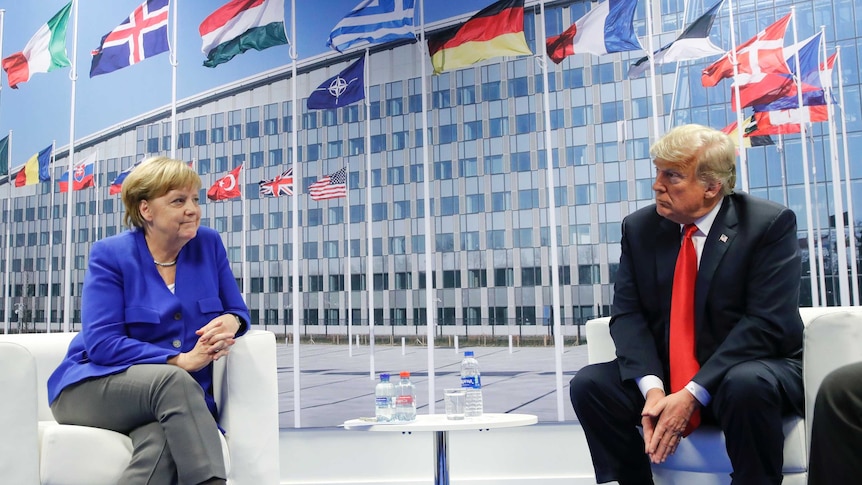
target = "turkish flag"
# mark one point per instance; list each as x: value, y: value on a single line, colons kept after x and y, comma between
x: 226, y: 187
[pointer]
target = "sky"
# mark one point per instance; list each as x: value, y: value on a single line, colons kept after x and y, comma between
x: 38, y: 112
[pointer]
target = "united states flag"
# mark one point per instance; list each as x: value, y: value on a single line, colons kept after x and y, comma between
x: 144, y: 34
x: 330, y: 187
x: 280, y: 185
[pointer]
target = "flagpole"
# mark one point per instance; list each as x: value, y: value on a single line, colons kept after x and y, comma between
x: 51, y: 244
x: 9, y: 219
x: 426, y: 200
x: 847, y: 188
x: 743, y: 155
x: 369, y: 267
x: 348, y: 285
x: 73, y: 76
x: 294, y: 275
x: 173, y: 61
x: 838, y: 205
x: 653, y: 94
x: 809, y: 219
x: 821, y: 265
x: 245, y: 225
x: 552, y: 222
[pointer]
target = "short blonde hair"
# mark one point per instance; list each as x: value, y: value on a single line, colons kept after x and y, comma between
x: 153, y: 178
x: 712, y: 151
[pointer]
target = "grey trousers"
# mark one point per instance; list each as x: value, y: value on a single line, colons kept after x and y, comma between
x: 162, y: 409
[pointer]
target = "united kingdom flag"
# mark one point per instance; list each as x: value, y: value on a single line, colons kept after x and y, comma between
x: 280, y: 185
x: 144, y: 34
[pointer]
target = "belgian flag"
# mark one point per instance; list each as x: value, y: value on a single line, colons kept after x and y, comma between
x: 496, y: 31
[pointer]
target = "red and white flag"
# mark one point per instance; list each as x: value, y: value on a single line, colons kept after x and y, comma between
x: 226, y: 187
x: 787, y: 121
x: 762, y: 54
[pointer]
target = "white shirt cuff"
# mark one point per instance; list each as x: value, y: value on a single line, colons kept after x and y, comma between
x: 648, y: 382
x: 699, y: 393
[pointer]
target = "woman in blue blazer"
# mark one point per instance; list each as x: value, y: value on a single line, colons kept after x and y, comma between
x: 159, y: 305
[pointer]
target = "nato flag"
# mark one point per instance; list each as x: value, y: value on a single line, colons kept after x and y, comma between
x: 347, y: 87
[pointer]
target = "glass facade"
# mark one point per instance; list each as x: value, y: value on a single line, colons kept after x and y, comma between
x: 489, y: 200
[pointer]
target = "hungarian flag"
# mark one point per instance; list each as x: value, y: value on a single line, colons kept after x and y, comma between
x: 749, y: 125
x: 226, y: 187
x: 692, y: 43
x: 240, y: 25
x: 44, y: 52
x: 605, y: 29
x: 35, y: 170
x: 496, y: 31
x: 82, y: 175
x: 761, y: 55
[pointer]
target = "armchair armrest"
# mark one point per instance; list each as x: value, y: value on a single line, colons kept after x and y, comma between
x: 19, y: 440
x: 246, y: 390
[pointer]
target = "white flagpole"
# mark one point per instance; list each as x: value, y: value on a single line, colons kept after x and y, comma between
x: 348, y: 285
x: 51, y: 242
x: 743, y: 156
x: 821, y: 265
x: 369, y: 253
x: 67, y: 290
x: 426, y: 199
x: 8, y: 300
x: 294, y: 275
x: 552, y: 220
x: 245, y: 226
x: 850, y: 220
x: 96, y: 187
x: 173, y: 61
x: 652, y: 82
x: 838, y: 205
x: 809, y: 219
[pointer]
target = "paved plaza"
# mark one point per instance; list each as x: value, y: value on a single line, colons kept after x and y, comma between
x: 335, y: 386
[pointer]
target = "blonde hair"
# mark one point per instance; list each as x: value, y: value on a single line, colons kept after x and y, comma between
x: 712, y: 151
x: 153, y: 178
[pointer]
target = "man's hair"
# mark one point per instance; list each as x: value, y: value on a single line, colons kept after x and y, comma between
x: 712, y: 151
x: 153, y: 178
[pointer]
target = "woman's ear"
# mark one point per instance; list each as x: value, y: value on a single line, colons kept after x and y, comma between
x: 144, y: 209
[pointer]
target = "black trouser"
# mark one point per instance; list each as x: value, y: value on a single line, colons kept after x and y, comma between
x: 836, y: 431
x: 748, y: 406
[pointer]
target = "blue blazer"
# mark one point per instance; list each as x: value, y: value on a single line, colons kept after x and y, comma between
x: 129, y: 316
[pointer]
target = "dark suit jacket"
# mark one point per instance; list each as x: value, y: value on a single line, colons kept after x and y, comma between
x: 129, y: 316
x: 746, y: 295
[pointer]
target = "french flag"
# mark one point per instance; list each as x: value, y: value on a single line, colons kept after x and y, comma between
x: 605, y: 29
x: 82, y: 175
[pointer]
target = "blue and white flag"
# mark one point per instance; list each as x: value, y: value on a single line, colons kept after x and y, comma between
x: 348, y: 86
x: 374, y: 22
x: 144, y: 34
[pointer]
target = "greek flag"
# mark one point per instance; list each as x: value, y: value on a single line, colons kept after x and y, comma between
x: 374, y: 22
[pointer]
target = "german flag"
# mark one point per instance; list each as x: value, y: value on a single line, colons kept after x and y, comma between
x: 496, y: 31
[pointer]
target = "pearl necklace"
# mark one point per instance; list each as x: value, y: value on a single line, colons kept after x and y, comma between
x: 165, y: 265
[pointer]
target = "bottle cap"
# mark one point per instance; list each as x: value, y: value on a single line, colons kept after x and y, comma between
x: 404, y: 374
x: 384, y: 376
x: 468, y: 353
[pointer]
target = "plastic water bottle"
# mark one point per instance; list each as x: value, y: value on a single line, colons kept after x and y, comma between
x: 405, y: 399
x: 471, y: 381
x: 384, y: 399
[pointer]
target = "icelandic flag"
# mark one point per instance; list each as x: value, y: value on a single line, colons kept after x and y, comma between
x: 117, y: 184
x: 692, y: 43
x: 809, y: 64
x: 374, y: 22
x: 605, y: 29
x: 82, y: 175
x: 348, y: 86
x: 144, y: 34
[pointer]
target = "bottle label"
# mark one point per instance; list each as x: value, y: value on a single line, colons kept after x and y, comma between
x: 471, y: 382
x: 382, y: 402
x: 404, y: 401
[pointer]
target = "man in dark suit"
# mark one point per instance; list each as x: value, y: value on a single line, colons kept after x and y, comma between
x: 743, y: 321
x: 836, y: 430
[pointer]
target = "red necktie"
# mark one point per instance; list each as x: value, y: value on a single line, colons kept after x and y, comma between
x: 683, y: 362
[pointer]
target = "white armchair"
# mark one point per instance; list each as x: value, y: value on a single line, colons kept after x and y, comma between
x: 832, y: 338
x: 35, y: 450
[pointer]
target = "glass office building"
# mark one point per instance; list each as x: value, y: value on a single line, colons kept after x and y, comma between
x: 491, y: 239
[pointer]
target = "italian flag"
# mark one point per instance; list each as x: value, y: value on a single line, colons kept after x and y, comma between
x: 45, y: 52
x: 241, y: 25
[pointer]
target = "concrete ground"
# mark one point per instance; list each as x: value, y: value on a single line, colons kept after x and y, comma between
x: 335, y: 386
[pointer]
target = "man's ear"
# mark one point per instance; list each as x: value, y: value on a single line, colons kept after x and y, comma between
x: 713, y: 189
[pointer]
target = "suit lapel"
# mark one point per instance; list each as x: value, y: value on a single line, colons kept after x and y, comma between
x: 667, y: 249
x: 721, y: 236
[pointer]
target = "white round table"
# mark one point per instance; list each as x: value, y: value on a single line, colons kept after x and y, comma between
x: 440, y: 426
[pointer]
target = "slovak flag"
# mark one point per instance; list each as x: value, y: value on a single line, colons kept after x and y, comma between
x: 117, y: 184
x: 82, y: 175
x: 226, y: 187
x: 144, y: 34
